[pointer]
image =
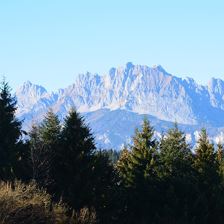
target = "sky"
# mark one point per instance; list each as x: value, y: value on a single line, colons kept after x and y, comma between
x: 49, y: 42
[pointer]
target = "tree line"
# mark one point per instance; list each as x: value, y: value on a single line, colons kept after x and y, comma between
x: 150, y: 181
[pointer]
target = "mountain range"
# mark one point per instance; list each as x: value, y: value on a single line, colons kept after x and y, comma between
x: 114, y: 104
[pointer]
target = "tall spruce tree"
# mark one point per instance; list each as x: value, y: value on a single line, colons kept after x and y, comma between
x: 220, y: 191
x: 10, y: 134
x: 85, y: 176
x: 143, y: 154
x: 207, y: 204
x: 107, y: 193
x: 76, y: 162
x: 175, y: 153
x: 177, y: 176
x: 220, y: 159
x: 205, y: 159
x: 45, y: 146
x: 138, y: 171
x: 124, y: 171
x: 123, y: 168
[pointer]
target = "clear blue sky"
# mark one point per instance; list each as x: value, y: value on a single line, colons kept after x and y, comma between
x: 50, y: 41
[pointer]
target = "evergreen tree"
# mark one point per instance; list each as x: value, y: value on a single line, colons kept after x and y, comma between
x: 205, y: 159
x: 207, y: 204
x: 10, y: 134
x: 220, y: 159
x: 178, y: 176
x: 76, y: 162
x: 124, y: 171
x: 123, y: 168
x: 45, y: 146
x: 113, y: 155
x: 66, y: 163
x: 138, y: 171
x: 85, y: 177
x: 107, y: 194
x: 175, y: 153
x: 143, y: 155
x: 23, y: 166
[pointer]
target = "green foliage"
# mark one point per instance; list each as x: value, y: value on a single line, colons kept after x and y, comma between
x: 76, y: 162
x: 10, y: 135
x: 106, y: 191
x: 150, y: 181
x: 49, y: 129
x: 175, y: 153
x: 220, y: 160
x: 138, y: 171
x: 44, y: 144
x: 23, y: 166
x: 85, y: 177
x: 178, y: 175
x: 169, y: 183
x: 209, y: 182
x: 65, y: 162
x: 123, y: 167
x: 113, y: 155
x: 205, y: 160
x: 143, y: 153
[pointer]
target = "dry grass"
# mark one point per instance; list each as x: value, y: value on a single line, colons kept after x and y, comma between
x: 26, y: 204
x: 84, y: 216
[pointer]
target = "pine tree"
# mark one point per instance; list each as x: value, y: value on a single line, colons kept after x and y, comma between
x: 143, y: 154
x: 175, y: 153
x: 76, y: 161
x: 85, y: 176
x: 205, y: 159
x: 138, y: 171
x: 125, y: 173
x: 207, y: 202
x: 113, y: 155
x: 220, y: 192
x: 220, y: 159
x: 10, y: 134
x: 123, y: 167
x: 107, y: 193
x: 45, y: 146
x: 177, y: 175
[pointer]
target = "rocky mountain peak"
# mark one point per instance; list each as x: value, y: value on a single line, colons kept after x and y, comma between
x: 137, y: 89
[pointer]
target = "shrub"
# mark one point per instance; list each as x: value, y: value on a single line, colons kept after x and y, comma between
x: 26, y: 204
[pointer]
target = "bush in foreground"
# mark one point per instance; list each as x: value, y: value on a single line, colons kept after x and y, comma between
x: 25, y: 203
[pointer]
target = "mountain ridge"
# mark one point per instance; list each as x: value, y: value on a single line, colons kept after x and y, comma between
x: 137, y: 89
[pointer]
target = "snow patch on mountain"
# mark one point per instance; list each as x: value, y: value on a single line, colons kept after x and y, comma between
x: 115, y: 103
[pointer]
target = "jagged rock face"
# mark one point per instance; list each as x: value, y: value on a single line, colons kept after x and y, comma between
x: 139, y: 89
x: 134, y: 88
